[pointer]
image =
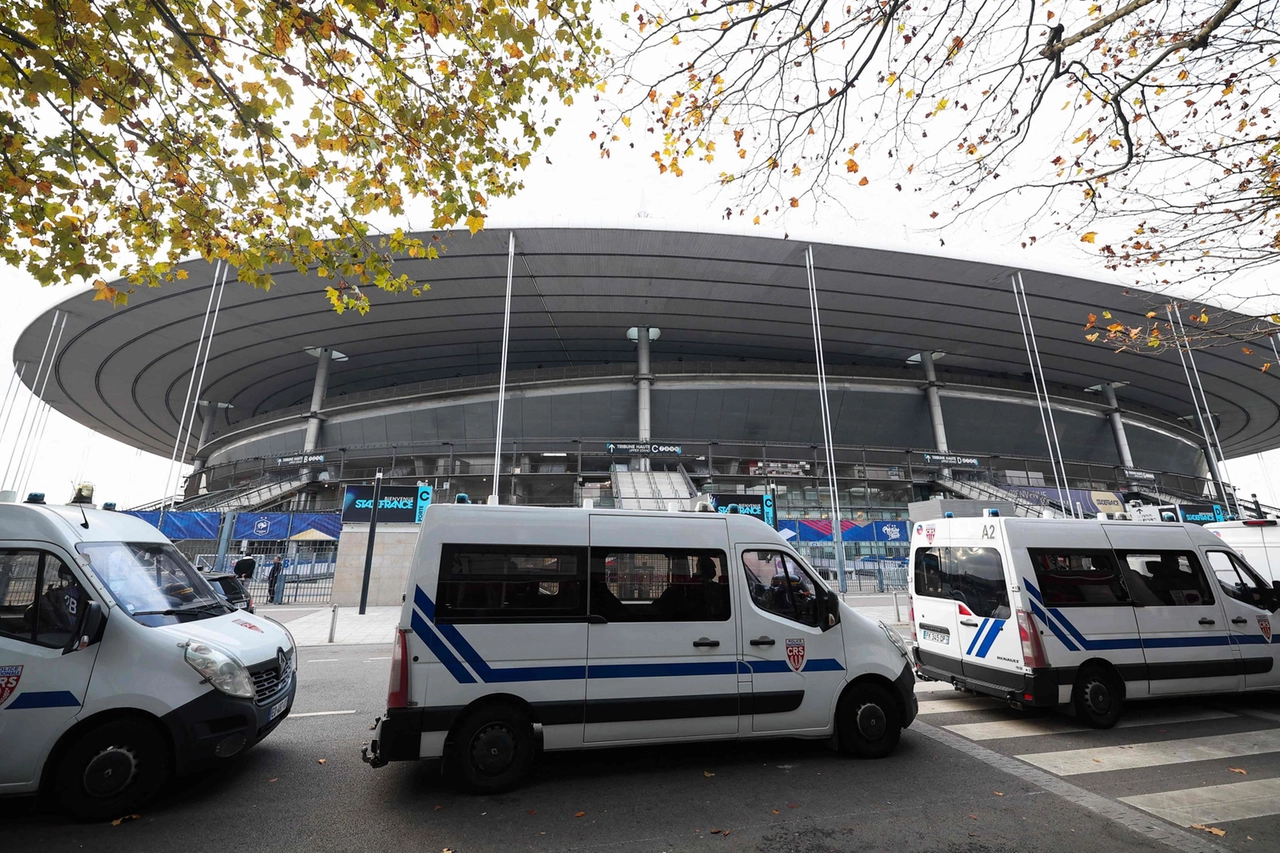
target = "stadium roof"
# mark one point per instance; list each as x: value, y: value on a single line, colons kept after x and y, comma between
x: 716, y: 297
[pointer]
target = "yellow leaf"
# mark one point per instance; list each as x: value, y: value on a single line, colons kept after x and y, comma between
x: 429, y: 22
x: 1115, y: 144
x: 1106, y: 315
x: 942, y: 105
x: 475, y: 222
x: 626, y: 121
x: 1212, y: 829
x: 891, y: 78
x: 756, y: 221
x: 1150, y: 314
x: 1246, y: 350
x: 1088, y: 236
x: 1115, y: 327
x: 1091, y: 337
x: 1204, y: 318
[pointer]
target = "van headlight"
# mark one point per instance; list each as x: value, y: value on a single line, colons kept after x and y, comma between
x: 220, y: 669
x: 896, y: 639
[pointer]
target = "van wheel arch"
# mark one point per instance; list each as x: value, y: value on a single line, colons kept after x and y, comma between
x: 1109, y: 668
x: 878, y: 680
x: 1106, y: 679
x: 54, y: 758
x: 495, y: 699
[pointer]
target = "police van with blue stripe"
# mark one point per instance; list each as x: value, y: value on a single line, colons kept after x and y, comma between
x: 530, y: 629
x: 119, y: 664
x: 1088, y: 613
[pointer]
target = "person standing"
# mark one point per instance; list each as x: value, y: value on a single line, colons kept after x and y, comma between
x: 244, y: 567
x: 276, y: 568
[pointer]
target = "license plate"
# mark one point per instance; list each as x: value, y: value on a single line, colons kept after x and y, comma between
x: 278, y: 708
x: 935, y: 636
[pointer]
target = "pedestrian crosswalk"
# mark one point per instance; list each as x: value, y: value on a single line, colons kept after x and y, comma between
x: 1165, y: 758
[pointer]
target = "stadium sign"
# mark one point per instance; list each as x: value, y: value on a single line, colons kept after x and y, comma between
x: 642, y: 448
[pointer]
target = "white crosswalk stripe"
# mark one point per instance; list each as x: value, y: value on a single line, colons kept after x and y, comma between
x: 951, y: 706
x: 1073, y: 762
x: 1056, y: 725
x: 1214, y: 804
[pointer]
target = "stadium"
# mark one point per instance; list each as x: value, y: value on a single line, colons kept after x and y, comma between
x: 929, y: 382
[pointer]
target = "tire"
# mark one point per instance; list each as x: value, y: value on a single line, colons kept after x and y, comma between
x: 868, y: 721
x: 493, y: 749
x: 89, y: 775
x: 1098, y: 698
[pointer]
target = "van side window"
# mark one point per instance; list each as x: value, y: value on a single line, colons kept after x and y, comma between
x: 972, y: 576
x: 778, y: 585
x: 1165, y: 578
x: 684, y: 585
x: 1069, y: 577
x: 1236, y: 578
x: 40, y: 600
x: 511, y: 583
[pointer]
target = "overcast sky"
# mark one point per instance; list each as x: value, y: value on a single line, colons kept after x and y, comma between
x: 577, y: 187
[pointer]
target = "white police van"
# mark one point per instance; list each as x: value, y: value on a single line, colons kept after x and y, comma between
x: 535, y: 628
x: 1255, y: 539
x: 1088, y: 613
x: 119, y: 665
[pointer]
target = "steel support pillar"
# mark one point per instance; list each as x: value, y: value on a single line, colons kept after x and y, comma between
x: 318, y: 391
x: 644, y: 383
x: 1117, y: 424
x: 935, y: 403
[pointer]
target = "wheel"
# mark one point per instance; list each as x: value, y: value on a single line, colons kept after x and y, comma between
x: 112, y: 769
x: 869, y: 721
x: 493, y: 749
x: 1098, y: 698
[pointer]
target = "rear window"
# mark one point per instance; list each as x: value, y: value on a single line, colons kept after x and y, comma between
x: 1166, y: 579
x: 1070, y: 577
x: 972, y: 576
x: 516, y: 583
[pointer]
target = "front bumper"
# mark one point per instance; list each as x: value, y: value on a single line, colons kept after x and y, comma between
x: 906, y: 686
x: 216, y: 726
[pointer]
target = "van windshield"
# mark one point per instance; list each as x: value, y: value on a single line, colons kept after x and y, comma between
x: 153, y: 582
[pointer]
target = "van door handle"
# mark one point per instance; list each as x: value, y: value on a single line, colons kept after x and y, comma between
x: 763, y: 641
x: 1207, y: 621
x: 1239, y: 620
x: 970, y: 622
x: 704, y: 643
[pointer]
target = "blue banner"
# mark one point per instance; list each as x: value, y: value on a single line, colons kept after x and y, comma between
x: 261, y: 525
x: 328, y: 523
x: 184, y: 525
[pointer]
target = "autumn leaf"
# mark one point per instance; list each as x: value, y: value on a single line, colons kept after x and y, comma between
x: 121, y: 820
x: 429, y: 23
x: 1266, y: 367
x: 1106, y: 315
x: 320, y: 760
x: 1093, y: 318
x: 475, y: 222
x: 707, y: 773
x: 863, y: 182
x: 1088, y: 236
x: 1246, y: 350
x: 795, y: 202
x: 1091, y: 337
x: 1211, y: 829
x: 1238, y: 770
x: 851, y: 165
x: 1150, y: 314
x: 1115, y: 328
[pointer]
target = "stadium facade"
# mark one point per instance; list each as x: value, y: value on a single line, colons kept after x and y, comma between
x: 930, y: 389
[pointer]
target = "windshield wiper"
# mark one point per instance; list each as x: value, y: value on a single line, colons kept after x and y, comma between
x: 178, y: 610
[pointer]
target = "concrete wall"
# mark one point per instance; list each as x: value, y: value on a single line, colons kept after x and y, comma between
x: 392, y: 553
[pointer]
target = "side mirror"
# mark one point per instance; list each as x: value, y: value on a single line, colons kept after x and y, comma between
x: 94, y: 620
x: 833, y: 609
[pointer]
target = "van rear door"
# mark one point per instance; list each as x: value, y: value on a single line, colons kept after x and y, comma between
x: 662, y: 644
x: 937, y: 613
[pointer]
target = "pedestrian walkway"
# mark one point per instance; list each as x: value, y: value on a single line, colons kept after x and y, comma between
x: 1195, y: 763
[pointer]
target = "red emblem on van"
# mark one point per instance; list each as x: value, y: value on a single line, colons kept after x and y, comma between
x: 795, y: 654
x: 929, y: 533
x: 1264, y: 623
x: 11, y: 675
x: 249, y: 625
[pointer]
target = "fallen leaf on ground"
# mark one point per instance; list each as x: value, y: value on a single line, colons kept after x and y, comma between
x: 998, y: 793
x: 273, y: 780
x: 707, y: 773
x: 1238, y: 770
x: 580, y: 814
x: 1213, y: 829
x: 320, y: 761
x: 438, y: 808
x: 725, y: 834
x: 775, y: 811
x: 1097, y: 761
x: 793, y: 805
x: 973, y: 817
x: 531, y: 811
x: 121, y: 820
x: 715, y: 832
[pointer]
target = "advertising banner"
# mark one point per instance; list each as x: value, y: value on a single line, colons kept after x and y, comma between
x: 397, y: 505
x: 760, y: 506
x: 820, y: 530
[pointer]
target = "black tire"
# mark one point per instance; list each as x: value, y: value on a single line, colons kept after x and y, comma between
x: 112, y: 769
x: 869, y: 723
x: 1098, y: 698
x: 493, y: 749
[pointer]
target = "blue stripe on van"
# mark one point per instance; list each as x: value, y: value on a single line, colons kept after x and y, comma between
x: 425, y: 604
x: 765, y: 667
x: 997, y: 625
x: 523, y: 673
x: 44, y: 699
x: 440, y: 650
x: 976, y: 634
x: 1057, y: 632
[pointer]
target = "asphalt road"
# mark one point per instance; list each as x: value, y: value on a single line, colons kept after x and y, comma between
x: 948, y: 788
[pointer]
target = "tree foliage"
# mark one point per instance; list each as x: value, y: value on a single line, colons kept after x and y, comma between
x: 267, y: 133
x: 1152, y: 123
